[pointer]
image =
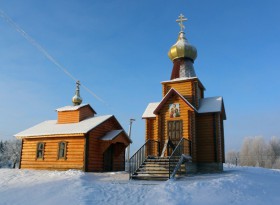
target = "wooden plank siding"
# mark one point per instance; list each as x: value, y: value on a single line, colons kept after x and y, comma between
x: 68, y: 117
x: 119, y: 157
x: 210, y: 147
x: 223, y: 138
x: 85, y: 112
x: 219, y: 141
x: 152, y: 134
x: 205, y: 138
x: 97, y: 147
x: 74, y: 115
x: 193, y: 139
x: 184, y: 88
x: 185, y: 116
x: 74, y: 153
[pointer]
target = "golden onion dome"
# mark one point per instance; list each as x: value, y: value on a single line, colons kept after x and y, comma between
x: 182, y: 49
x: 77, y: 100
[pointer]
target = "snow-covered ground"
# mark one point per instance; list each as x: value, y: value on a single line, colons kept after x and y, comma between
x: 236, y: 185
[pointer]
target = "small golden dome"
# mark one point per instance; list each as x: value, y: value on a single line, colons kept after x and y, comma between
x: 77, y: 100
x: 182, y: 49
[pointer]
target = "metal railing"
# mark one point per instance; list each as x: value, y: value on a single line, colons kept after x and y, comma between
x: 183, y: 147
x: 150, y: 148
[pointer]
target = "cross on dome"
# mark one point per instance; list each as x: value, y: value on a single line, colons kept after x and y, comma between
x: 181, y: 20
x: 77, y: 100
x: 78, y: 84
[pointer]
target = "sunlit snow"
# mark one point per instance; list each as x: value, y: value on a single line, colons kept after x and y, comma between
x: 236, y: 185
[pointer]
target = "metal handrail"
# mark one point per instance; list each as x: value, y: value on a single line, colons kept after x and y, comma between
x: 177, y: 152
x: 176, y: 147
x: 140, y: 155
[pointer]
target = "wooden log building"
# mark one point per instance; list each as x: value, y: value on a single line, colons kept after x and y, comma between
x: 184, y: 112
x: 78, y: 139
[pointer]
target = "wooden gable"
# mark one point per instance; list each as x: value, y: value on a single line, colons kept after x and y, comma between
x: 172, y: 92
x: 74, y: 116
x: 186, y: 114
x: 191, y: 88
x: 96, y: 146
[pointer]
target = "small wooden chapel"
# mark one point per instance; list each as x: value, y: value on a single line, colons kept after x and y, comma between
x: 184, y: 113
x: 77, y: 139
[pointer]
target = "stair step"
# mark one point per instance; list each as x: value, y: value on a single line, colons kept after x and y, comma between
x: 161, y: 160
x: 154, y: 178
x: 157, y: 173
x: 159, y: 164
x: 157, y: 168
x: 153, y: 175
x: 153, y: 169
x: 144, y: 169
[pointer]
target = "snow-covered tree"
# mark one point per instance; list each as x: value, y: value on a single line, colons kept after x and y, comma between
x: 245, y: 153
x: 256, y: 152
x: 10, y: 153
x: 274, y: 148
x: 1, y: 147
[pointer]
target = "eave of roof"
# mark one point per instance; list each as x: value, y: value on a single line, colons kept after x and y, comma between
x: 74, y: 107
x: 50, y: 127
x: 114, y: 134
x: 149, y: 112
x: 177, y: 80
x: 211, y: 105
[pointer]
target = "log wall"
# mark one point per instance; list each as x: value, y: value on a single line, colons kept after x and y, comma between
x: 119, y: 157
x: 85, y: 112
x: 185, y: 115
x: 97, y: 147
x: 210, y: 145
x: 68, y: 117
x: 205, y: 138
x: 152, y: 134
x: 74, y: 116
x: 74, y: 153
x: 185, y: 88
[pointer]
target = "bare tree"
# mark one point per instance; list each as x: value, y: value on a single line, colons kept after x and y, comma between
x: 276, y: 164
x: 232, y: 157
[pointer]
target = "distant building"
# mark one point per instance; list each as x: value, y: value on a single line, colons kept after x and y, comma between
x: 78, y: 139
x: 184, y: 114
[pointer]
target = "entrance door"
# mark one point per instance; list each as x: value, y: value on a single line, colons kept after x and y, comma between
x: 175, y: 131
x: 108, y: 158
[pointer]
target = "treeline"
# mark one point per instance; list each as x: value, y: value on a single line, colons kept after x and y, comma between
x: 257, y: 152
x: 10, y: 153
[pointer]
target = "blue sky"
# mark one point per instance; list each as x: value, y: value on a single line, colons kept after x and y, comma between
x: 119, y: 50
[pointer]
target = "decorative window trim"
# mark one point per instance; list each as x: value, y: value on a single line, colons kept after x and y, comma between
x: 58, y: 151
x: 41, y: 149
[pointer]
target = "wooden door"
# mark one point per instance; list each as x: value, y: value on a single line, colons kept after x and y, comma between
x: 108, y: 158
x: 175, y: 131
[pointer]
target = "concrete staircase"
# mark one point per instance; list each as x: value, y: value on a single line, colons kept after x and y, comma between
x: 157, y: 168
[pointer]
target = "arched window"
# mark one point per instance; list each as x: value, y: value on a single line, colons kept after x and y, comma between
x: 40, y: 150
x: 62, y: 150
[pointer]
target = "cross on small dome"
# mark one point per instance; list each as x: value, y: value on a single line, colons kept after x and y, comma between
x: 181, y: 20
x: 77, y: 100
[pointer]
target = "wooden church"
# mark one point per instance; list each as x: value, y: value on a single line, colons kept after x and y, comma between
x: 77, y: 139
x: 184, y: 121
